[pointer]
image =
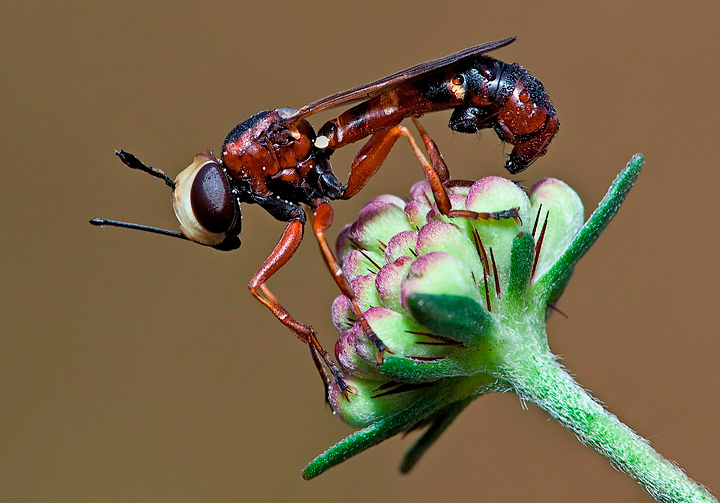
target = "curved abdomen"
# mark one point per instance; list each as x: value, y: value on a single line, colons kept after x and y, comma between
x: 484, y: 93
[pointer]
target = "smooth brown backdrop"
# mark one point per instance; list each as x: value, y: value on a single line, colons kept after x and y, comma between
x: 138, y: 368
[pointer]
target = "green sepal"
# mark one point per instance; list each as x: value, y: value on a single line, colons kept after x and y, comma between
x: 439, y: 422
x: 522, y: 258
x: 414, y: 371
x: 382, y: 430
x: 457, y: 317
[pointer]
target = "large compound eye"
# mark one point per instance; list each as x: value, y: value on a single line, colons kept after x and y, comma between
x: 211, y: 198
x: 204, y: 203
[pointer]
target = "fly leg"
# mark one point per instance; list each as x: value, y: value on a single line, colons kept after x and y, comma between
x: 374, y: 152
x: 371, y: 156
x: 285, y: 249
x: 322, y: 220
x: 438, y: 177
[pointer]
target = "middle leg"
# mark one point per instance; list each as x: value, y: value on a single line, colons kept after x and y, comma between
x: 374, y: 152
x: 285, y: 249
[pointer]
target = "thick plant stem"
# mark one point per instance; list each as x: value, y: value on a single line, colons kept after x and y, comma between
x: 539, y: 379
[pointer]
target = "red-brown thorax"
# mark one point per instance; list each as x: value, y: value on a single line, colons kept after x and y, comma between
x: 271, y: 148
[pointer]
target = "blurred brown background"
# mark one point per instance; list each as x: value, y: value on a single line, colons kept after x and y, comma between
x: 138, y: 368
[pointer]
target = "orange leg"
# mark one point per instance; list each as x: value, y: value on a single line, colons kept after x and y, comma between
x: 372, y: 155
x: 438, y: 177
x: 322, y: 220
x: 374, y: 152
x: 285, y: 249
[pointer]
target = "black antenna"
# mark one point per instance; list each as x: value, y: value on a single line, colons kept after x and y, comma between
x: 101, y: 222
x: 133, y: 162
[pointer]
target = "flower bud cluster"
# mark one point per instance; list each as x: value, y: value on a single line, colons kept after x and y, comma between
x: 445, y: 294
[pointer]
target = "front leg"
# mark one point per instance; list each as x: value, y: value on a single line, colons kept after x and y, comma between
x: 438, y: 177
x: 374, y: 152
x: 322, y: 220
x: 283, y: 251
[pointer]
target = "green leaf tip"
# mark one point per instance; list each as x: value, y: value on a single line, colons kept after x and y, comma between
x: 436, y: 399
x: 594, y: 226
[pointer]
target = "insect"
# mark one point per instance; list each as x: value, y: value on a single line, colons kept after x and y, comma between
x: 276, y: 160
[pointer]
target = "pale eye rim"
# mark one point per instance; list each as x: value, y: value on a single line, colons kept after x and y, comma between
x: 190, y: 226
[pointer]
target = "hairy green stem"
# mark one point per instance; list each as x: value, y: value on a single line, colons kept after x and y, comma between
x: 541, y: 380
